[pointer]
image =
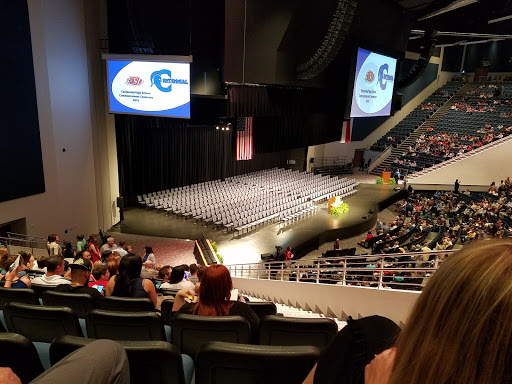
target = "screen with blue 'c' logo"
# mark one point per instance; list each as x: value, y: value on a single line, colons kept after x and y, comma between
x: 373, y: 84
x: 149, y: 88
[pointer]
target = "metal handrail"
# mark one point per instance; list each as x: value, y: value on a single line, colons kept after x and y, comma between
x: 348, y: 270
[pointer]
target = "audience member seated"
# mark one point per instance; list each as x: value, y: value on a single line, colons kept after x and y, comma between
x: 176, y: 280
x: 113, y: 267
x: 120, y: 250
x: 129, y: 283
x: 80, y: 273
x: 148, y: 272
x: 40, y: 264
x: 68, y: 253
x: 99, y: 276
x: 107, y: 249
x: 27, y: 258
x: 193, y: 274
x: 148, y: 255
x: 165, y: 273
x: 54, y: 270
x: 12, y: 278
x: 213, y: 298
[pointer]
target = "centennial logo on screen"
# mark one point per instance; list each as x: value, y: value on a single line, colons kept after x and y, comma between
x: 134, y: 80
x: 369, y: 77
x: 384, y: 77
x: 158, y: 79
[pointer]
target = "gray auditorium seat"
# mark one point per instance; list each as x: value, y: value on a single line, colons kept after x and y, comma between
x: 126, y: 304
x: 18, y: 353
x: 189, y: 332
x: 155, y: 362
x: 278, y: 330
x: 131, y: 326
x: 228, y: 363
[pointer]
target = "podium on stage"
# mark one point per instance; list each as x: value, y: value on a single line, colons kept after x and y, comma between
x: 385, y: 177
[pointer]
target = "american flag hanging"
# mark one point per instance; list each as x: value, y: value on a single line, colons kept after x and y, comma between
x: 244, y: 140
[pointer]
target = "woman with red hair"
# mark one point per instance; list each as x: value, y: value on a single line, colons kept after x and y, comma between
x: 214, y: 298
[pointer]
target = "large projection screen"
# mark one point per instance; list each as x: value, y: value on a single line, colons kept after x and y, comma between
x: 373, y: 84
x: 140, y: 86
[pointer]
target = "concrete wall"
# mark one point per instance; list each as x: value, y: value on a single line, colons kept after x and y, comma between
x: 333, y: 299
x: 68, y: 121
x: 480, y: 169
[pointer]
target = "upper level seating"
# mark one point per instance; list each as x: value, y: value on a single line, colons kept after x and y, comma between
x: 482, y: 117
x: 417, y: 116
x: 244, y: 201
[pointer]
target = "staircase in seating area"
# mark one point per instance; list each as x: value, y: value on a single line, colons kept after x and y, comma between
x: 430, y: 122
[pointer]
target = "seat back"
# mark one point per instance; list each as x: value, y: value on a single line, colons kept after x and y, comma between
x: 22, y: 295
x: 189, y: 332
x: 150, y: 361
x: 278, y: 330
x: 80, y: 303
x: 41, y: 323
x: 131, y: 326
x: 263, y: 308
x: 166, y: 311
x: 18, y: 353
x: 228, y: 363
x: 126, y: 304
x: 39, y: 289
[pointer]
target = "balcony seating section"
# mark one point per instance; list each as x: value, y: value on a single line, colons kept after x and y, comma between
x: 417, y: 117
x: 228, y: 363
x: 460, y: 122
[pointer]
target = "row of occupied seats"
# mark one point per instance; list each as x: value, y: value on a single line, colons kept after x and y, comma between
x: 160, y: 362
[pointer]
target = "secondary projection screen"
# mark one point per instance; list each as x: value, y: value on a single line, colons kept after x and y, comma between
x: 373, y: 84
x: 155, y: 88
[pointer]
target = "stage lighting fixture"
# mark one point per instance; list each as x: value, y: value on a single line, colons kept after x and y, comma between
x: 217, y: 127
x: 227, y: 128
x: 222, y: 128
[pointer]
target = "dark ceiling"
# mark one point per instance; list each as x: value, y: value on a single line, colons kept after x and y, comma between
x: 472, y: 18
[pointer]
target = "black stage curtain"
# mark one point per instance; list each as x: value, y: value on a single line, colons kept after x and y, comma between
x: 287, y: 118
x: 158, y: 153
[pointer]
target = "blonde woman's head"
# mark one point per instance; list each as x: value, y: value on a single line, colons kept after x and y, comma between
x: 460, y: 329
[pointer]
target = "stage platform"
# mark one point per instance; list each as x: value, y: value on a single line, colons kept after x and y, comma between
x: 303, y: 236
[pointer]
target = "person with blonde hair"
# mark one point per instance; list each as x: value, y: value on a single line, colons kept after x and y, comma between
x: 460, y: 329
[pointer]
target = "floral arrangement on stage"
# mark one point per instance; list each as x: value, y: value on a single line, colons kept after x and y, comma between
x: 380, y: 180
x: 215, y: 249
x: 392, y: 180
x: 338, y: 209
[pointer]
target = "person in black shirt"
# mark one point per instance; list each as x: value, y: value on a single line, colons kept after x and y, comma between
x: 80, y: 273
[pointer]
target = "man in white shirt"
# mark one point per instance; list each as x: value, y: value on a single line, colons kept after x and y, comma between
x: 54, y: 269
x: 122, y: 252
x: 109, y: 247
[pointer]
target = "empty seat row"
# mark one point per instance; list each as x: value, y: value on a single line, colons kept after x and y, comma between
x: 160, y: 362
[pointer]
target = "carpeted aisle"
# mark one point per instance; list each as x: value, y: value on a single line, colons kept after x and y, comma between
x: 167, y: 251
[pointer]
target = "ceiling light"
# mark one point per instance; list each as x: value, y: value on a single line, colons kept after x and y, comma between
x: 453, y: 6
x: 217, y: 127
